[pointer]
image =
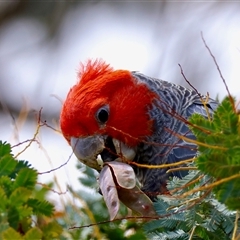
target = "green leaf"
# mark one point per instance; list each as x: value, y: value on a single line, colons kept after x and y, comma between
x: 24, y: 211
x: 26, y: 178
x: 20, y: 165
x: 220, y: 151
x: 17, y: 205
x: 33, y: 233
x: 7, y: 162
x: 7, y: 185
x: 13, y: 217
x: 41, y: 207
x: 225, y: 118
x: 5, y: 149
x: 228, y: 194
x: 7, y: 165
x: 20, y: 196
x: 11, y: 234
x: 170, y: 235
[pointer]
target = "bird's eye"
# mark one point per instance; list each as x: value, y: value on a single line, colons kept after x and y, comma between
x: 103, y: 114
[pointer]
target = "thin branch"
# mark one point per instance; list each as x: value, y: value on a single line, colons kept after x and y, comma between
x: 187, y: 184
x: 181, y: 169
x: 188, y: 82
x: 34, y: 136
x: 200, y: 96
x: 54, y: 169
x: 211, y: 185
x: 117, y: 219
x: 162, y: 165
x: 50, y: 189
x: 219, y: 71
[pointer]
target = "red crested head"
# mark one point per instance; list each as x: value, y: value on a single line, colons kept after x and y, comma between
x: 107, y: 102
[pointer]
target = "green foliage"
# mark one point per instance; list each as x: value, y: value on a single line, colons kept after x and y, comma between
x: 18, y: 206
x: 198, y: 214
x: 200, y: 205
x: 220, y: 152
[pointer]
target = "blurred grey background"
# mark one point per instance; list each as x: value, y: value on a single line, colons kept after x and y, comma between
x: 43, y: 42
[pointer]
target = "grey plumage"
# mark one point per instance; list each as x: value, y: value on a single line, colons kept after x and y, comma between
x: 170, y: 112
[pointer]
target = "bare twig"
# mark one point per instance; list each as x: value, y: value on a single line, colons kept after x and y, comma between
x: 219, y: 71
x: 200, y: 96
x: 54, y: 169
x: 50, y: 189
x: 188, y: 82
x: 34, y: 136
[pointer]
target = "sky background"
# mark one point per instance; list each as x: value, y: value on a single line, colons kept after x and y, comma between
x: 43, y: 43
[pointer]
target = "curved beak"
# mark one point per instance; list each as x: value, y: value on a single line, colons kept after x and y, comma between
x: 88, y: 149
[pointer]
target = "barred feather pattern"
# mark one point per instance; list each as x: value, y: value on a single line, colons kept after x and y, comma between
x: 170, y: 113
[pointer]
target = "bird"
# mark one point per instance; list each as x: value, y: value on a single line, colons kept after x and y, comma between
x: 120, y: 114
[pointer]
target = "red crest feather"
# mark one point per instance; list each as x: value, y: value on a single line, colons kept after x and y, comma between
x: 92, y: 70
